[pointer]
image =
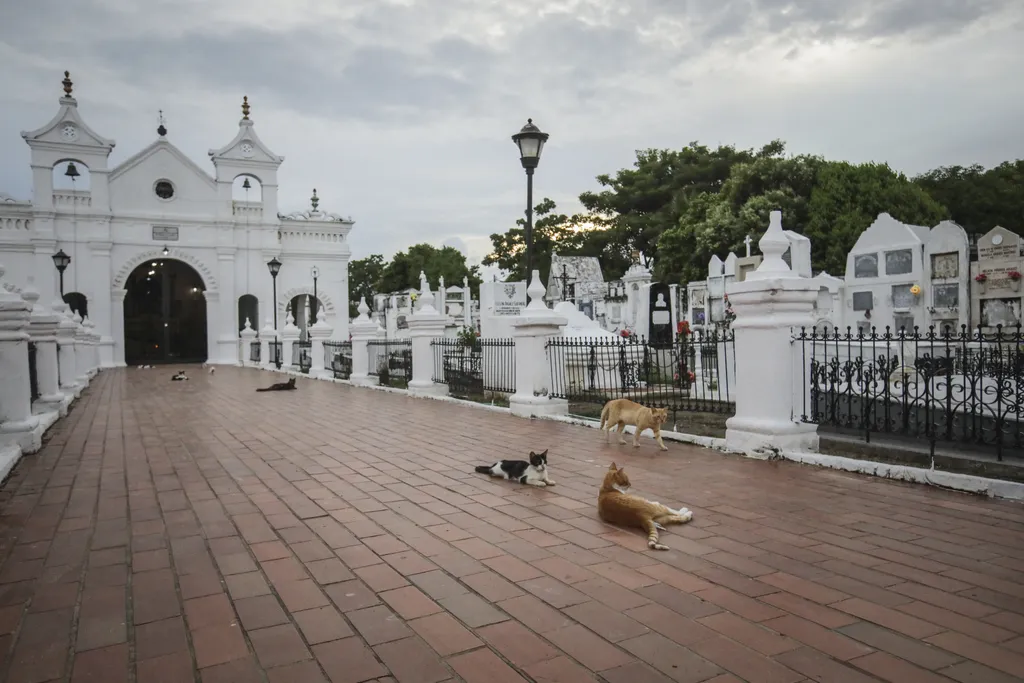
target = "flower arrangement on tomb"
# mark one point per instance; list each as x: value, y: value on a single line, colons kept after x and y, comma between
x: 625, y: 333
x: 1014, y: 275
x: 916, y: 290
x: 980, y: 278
x: 467, y: 336
x: 683, y: 328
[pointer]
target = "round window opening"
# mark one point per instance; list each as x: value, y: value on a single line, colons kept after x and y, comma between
x: 164, y: 189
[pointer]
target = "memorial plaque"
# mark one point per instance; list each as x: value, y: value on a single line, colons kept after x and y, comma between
x: 1005, y: 312
x: 902, y: 297
x: 661, y: 314
x: 865, y: 265
x: 945, y: 266
x: 946, y: 296
x: 863, y: 301
x: 163, y: 233
x: 899, y: 262
x: 510, y: 298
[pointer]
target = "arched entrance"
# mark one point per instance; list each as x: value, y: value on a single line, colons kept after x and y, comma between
x: 164, y: 314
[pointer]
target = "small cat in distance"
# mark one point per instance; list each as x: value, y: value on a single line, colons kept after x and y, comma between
x: 180, y: 376
x: 532, y: 472
x: 622, y: 412
x: 280, y: 386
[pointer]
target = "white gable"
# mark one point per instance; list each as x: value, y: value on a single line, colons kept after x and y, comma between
x: 132, y: 183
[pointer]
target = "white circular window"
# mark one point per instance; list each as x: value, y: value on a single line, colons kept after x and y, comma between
x: 164, y: 189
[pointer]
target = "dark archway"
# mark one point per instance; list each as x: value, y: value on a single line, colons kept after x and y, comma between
x: 78, y: 303
x: 164, y: 314
x: 248, y: 307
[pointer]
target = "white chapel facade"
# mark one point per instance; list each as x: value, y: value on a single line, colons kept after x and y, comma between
x: 167, y: 260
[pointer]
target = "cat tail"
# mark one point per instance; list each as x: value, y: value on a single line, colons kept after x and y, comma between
x: 652, y: 535
x: 484, y: 469
x: 604, y: 414
x: 263, y: 389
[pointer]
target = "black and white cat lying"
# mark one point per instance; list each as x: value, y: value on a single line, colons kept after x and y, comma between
x: 533, y: 472
x: 180, y: 376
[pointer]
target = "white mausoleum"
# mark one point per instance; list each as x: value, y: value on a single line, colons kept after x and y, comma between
x: 167, y: 259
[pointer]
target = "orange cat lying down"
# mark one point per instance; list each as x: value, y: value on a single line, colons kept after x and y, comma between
x: 616, y: 506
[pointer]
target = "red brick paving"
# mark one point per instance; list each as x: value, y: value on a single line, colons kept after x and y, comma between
x: 199, y: 531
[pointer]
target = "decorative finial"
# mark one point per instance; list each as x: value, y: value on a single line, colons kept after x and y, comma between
x: 773, y: 245
x: 314, y: 200
x: 161, y: 129
x: 363, y: 309
x: 245, y: 107
x: 67, y: 84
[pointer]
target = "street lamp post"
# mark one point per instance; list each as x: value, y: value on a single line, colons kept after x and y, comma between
x: 316, y: 302
x: 62, y: 261
x: 530, y: 141
x: 275, y: 267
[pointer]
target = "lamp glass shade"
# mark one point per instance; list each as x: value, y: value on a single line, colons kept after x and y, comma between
x: 274, y: 266
x: 61, y: 260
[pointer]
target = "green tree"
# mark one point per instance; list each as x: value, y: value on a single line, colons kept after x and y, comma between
x: 717, y: 222
x: 404, y: 269
x: 847, y: 198
x: 978, y: 199
x: 642, y: 202
x: 363, y: 276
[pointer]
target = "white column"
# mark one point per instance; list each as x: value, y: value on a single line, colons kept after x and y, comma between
x: 770, y: 305
x: 318, y: 333
x: 93, y: 345
x: 16, y: 420
x: 66, y: 357
x: 81, y: 353
x: 42, y: 331
x: 289, y: 335
x: 215, y: 351
x: 117, y: 326
x: 248, y: 336
x: 425, y: 325
x: 103, y: 313
x: 533, y: 371
x: 363, y: 330
x: 227, y: 325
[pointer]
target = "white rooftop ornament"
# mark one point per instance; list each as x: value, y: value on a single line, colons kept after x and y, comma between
x: 536, y: 291
x: 363, y: 309
x: 773, y: 245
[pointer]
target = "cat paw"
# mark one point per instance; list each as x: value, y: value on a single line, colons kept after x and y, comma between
x: 636, y: 445
x: 664, y: 448
x: 685, y: 514
x: 550, y: 483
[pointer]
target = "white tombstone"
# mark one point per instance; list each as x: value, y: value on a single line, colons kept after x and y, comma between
x: 947, y: 268
x: 996, y: 290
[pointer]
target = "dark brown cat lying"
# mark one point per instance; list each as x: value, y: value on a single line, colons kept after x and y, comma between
x: 280, y: 386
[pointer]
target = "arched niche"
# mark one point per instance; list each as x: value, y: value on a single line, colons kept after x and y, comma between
x: 77, y: 302
x: 240, y: 194
x: 63, y: 183
x: 248, y: 309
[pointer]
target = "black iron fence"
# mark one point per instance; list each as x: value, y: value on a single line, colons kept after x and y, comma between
x: 475, y: 369
x: 338, y: 358
x: 302, y: 355
x: 33, y: 374
x: 254, y: 352
x: 945, y: 388
x: 390, y: 361
x: 276, y: 351
x: 695, y: 374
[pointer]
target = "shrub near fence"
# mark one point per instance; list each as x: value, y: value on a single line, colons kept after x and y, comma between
x: 338, y: 358
x: 476, y: 370
x: 390, y: 361
x: 694, y: 377
x: 944, y: 388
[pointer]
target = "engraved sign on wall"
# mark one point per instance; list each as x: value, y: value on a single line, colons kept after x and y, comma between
x: 902, y: 297
x: 862, y: 301
x: 946, y: 296
x: 899, y: 262
x: 865, y: 265
x: 510, y: 298
x: 945, y: 266
x: 163, y: 233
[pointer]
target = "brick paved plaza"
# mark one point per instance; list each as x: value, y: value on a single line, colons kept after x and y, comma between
x: 198, y: 531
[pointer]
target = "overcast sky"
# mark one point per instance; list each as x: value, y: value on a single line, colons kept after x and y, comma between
x: 399, y: 112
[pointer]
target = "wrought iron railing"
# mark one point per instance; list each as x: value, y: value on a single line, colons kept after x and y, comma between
x: 472, y: 370
x: 939, y: 387
x: 254, y: 352
x: 302, y: 355
x: 390, y: 361
x: 338, y: 358
x: 276, y: 351
x: 694, y: 374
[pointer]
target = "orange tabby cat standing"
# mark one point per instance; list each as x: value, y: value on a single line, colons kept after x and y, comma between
x: 616, y: 506
x: 622, y: 412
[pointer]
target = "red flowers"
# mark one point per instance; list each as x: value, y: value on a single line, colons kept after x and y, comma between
x: 624, y: 333
x: 1014, y: 274
x: 980, y: 277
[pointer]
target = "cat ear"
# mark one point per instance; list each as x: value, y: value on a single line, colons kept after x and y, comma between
x: 545, y: 453
x: 613, y: 467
